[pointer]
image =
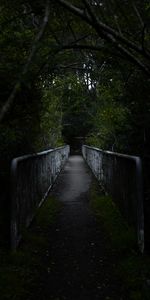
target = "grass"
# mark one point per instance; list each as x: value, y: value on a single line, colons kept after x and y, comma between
x: 132, y: 267
x: 19, y: 271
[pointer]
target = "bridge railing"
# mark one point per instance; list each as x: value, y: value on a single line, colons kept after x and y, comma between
x: 32, y: 177
x: 121, y: 177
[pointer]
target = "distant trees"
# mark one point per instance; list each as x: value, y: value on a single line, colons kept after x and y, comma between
x: 111, y: 122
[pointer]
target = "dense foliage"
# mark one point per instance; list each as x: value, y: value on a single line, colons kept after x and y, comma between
x: 74, y: 69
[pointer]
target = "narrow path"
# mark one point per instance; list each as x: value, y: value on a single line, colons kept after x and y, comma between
x: 83, y: 267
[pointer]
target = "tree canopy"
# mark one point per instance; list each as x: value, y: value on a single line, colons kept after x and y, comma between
x: 72, y: 69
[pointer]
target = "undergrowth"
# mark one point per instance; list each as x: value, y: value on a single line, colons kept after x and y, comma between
x: 132, y: 267
x: 19, y: 271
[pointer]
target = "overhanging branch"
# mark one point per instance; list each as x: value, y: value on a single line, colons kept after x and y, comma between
x: 111, y: 35
x: 17, y: 86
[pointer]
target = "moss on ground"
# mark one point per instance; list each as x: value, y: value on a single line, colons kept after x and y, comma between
x: 132, y: 267
x: 19, y: 271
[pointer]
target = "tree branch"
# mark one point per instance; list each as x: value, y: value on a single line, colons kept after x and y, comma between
x: 106, y: 32
x: 17, y: 86
x: 105, y: 28
x: 79, y: 12
x: 123, y: 50
x: 137, y: 13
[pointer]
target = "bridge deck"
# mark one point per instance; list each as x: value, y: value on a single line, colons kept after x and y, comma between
x: 83, y: 268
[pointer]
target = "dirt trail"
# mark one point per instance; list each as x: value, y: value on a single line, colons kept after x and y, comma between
x: 82, y: 266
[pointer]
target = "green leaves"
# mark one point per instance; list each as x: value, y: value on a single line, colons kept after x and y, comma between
x: 83, y: 87
x: 112, y: 119
x: 51, y: 119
